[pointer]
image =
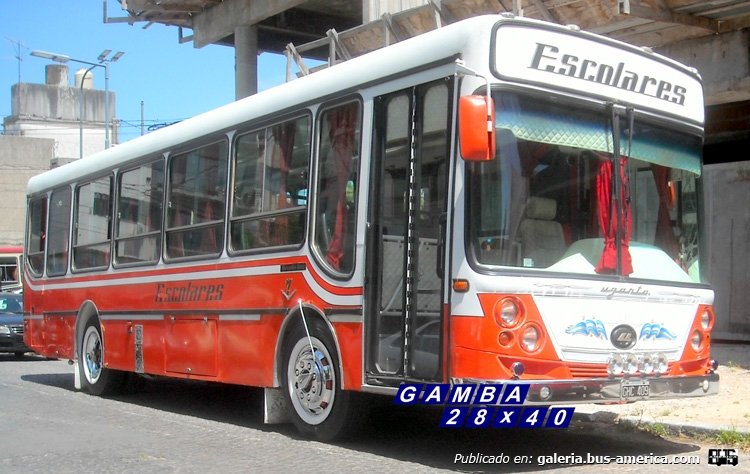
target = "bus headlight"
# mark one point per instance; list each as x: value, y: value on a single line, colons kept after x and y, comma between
x: 707, y: 319
x: 530, y: 339
x: 4, y: 329
x: 614, y: 365
x: 696, y: 340
x: 648, y: 364
x: 507, y: 313
x: 662, y: 364
x: 631, y: 364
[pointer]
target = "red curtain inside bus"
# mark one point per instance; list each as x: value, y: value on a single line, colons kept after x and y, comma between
x: 280, y: 145
x: 343, y: 124
x: 608, y: 217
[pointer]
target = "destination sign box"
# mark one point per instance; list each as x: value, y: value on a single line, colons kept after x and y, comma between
x: 592, y: 65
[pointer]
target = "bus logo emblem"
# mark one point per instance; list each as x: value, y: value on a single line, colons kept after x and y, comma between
x: 623, y: 337
x: 288, y: 292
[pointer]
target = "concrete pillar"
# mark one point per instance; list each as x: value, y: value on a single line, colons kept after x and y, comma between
x: 245, y: 61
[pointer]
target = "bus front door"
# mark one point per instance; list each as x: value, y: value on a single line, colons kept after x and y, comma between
x: 404, y: 291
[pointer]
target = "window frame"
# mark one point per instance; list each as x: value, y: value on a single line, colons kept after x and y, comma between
x: 258, y: 216
x: 65, y: 188
x: 316, y: 251
x: 74, y: 246
x: 161, y: 218
x: 168, y: 188
x: 44, y: 221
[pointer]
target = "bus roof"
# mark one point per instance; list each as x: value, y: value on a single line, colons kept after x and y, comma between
x: 438, y: 46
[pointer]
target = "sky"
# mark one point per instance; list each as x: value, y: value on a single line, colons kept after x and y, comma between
x: 175, y: 81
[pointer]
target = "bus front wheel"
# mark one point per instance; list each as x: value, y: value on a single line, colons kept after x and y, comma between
x: 312, y: 384
x: 96, y: 379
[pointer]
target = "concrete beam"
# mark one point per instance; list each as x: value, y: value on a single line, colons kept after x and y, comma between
x: 543, y: 10
x: 373, y: 10
x: 222, y: 20
x: 657, y: 13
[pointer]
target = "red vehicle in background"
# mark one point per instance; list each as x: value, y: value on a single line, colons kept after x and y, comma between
x: 10, y: 262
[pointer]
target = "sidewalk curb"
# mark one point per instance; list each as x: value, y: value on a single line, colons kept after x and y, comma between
x: 675, y: 428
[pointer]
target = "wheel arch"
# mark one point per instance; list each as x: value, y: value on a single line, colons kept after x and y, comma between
x: 293, y: 318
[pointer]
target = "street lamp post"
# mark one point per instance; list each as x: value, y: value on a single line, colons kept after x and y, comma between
x: 80, y: 115
x: 104, y: 62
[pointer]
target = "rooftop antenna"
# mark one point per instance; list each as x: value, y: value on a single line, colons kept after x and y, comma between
x: 17, y: 45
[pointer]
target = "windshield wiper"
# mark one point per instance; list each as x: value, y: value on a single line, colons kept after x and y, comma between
x: 617, y: 222
x: 621, y: 189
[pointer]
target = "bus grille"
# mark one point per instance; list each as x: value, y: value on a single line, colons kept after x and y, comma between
x: 587, y: 371
x: 17, y: 329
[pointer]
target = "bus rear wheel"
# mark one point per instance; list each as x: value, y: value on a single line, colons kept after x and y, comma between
x: 96, y: 379
x: 312, y: 384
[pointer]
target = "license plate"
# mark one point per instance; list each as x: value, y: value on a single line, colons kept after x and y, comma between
x: 634, y: 389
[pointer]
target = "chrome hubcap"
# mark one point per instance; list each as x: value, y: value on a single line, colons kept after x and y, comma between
x: 92, y: 354
x: 312, y: 381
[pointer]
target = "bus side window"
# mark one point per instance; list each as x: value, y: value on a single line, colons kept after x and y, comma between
x: 337, y: 170
x: 270, y: 186
x: 35, y: 240
x: 139, y: 214
x: 195, y: 205
x: 59, y: 230
x: 92, y: 224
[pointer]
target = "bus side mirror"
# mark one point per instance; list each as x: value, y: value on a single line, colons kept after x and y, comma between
x: 476, y: 127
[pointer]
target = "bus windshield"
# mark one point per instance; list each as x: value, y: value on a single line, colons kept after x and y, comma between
x: 586, y: 191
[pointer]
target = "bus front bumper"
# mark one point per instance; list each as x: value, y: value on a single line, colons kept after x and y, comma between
x: 611, y: 390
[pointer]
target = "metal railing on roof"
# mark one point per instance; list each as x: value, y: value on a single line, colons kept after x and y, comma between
x: 389, y: 29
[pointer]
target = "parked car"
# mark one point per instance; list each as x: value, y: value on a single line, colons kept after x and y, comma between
x: 11, y: 324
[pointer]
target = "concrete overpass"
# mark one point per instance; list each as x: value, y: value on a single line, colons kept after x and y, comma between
x: 707, y: 34
x: 710, y: 35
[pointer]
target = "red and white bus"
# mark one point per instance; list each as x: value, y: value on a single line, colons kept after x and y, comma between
x: 499, y: 199
x: 10, y: 268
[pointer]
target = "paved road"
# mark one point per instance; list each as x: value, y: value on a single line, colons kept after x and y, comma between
x: 177, y: 426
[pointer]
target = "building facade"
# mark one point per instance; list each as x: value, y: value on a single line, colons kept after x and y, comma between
x: 50, y: 124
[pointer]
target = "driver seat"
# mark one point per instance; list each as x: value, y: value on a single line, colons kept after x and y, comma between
x: 542, y: 238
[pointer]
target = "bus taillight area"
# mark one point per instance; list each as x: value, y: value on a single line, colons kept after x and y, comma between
x: 594, y: 361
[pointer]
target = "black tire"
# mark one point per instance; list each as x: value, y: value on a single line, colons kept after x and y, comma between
x: 95, y: 378
x: 312, y: 387
x: 19, y: 354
